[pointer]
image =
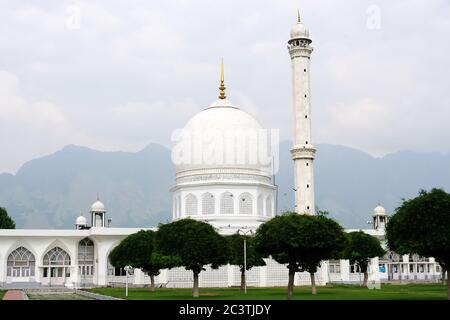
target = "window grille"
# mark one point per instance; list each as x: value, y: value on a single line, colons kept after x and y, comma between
x: 245, y: 203
x: 208, y: 205
x: 21, y: 263
x: 227, y: 203
x: 191, y: 205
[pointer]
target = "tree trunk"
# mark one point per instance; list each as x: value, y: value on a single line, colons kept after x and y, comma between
x: 366, y: 277
x: 195, y: 292
x: 313, y: 283
x: 242, y: 279
x: 152, y: 283
x: 443, y: 276
x: 291, y: 284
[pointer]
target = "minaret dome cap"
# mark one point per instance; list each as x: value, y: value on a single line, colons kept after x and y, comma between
x: 81, y: 221
x: 379, y: 211
x: 299, y: 30
x: 98, y: 206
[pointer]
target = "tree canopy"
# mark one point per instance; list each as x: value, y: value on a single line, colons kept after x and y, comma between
x: 6, y: 222
x: 139, y: 251
x: 195, y: 244
x: 300, y: 241
x: 422, y: 226
x: 360, y: 248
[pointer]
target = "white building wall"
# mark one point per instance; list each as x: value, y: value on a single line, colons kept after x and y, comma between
x: 273, y: 274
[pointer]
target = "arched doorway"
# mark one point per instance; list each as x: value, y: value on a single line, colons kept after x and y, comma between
x: 20, y: 265
x: 86, y: 258
x: 56, y: 265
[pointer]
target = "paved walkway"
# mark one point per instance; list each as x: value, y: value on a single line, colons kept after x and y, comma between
x: 14, y: 295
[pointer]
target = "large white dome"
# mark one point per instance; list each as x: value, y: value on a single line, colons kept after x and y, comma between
x: 222, y: 138
x: 223, y: 163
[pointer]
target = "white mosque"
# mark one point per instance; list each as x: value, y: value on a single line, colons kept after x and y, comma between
x: 224, y: 175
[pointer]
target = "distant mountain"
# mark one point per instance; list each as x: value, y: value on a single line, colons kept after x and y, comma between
x: 50, y: 192
x: 53, y: 190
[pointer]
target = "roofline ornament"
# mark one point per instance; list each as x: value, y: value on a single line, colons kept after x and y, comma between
x: 222, y: 83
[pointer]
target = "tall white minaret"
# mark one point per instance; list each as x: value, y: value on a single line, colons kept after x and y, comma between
x: 299, y: 46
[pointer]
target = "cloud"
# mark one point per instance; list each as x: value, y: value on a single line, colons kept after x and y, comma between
x: 27, y: 127
x: 133, y: 72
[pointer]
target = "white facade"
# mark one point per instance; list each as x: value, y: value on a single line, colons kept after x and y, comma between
x: 303, y: 151
x: 229, y: 189
x: 77, y: 258
x: 63, y: 269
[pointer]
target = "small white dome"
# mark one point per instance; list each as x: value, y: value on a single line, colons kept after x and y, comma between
x: 81, y: 221
x: 98, y: 206
x: 379, y: 210
x: 299, y: 31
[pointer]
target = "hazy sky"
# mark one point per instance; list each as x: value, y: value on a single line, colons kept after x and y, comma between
x: 117, y: 75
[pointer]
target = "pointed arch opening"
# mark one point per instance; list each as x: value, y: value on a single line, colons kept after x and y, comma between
x: 21, y: 263
x: 86, y: 258
x: 56, y: 266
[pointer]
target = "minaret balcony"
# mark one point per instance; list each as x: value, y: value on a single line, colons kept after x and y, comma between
x: 303, y: 152
x: 299, y: 51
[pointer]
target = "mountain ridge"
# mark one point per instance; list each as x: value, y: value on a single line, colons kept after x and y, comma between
x: 52, y: 190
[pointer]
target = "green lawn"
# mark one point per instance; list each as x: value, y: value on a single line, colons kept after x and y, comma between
x: 2, y: 293
x: 335, y: 292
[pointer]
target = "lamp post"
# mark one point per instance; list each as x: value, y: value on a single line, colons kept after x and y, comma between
x: 244, y: 233
x: 127, y: 269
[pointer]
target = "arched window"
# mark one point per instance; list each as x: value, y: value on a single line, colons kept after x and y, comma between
x: 178, y: 206
x: 245, y: 203
x: 269, y: 206
x: 21, y: 263
x: 86, y: 257
x: 191, y: 205
x: 260, y: 205
x: 56, y: 257
x: 226, y: 203
x: 175, y: 207
x: 208, y: 204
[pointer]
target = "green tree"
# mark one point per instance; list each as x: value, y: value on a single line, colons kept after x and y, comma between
x: 6, y: 222
x: 300, y: 241
x: 253, y: 257
x: 138, y: 250
x: 194, y: 244
x: 422, y: 226
x: 360, y: 248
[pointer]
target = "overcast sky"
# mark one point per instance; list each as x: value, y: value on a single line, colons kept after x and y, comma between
x: 118, y: 75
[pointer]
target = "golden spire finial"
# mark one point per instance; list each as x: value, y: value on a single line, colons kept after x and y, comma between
x: 222, y: 83
x: 298, y: 15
